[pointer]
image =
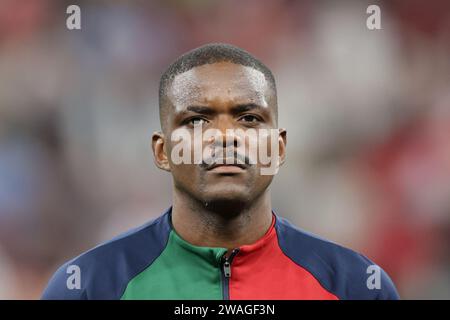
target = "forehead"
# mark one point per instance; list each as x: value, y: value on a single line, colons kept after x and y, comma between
x: 221, y: 82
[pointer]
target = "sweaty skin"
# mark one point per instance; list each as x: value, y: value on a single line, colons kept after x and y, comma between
x: 223, y: 207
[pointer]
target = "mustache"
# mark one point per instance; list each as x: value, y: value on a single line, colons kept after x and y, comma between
x: 238, y: 159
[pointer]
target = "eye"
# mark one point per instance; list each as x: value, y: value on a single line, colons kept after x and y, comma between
x: 249, y: 118
x: 195, y: 121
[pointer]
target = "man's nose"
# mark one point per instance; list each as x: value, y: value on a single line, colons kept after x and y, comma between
x: 227, y: 130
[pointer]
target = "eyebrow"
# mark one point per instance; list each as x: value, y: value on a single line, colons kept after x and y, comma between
x: 240, y: 108
x: 208, y: 111
x: 200, y: 109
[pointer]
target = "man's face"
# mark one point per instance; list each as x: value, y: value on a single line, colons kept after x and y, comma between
x: 218, y: 97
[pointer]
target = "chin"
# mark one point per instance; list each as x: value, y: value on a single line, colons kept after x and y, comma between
x: 227, y: 201
x: 226, y: 198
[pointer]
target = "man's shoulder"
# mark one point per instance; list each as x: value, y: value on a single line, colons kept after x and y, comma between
x: 340, y: 270
x: 104, y: 271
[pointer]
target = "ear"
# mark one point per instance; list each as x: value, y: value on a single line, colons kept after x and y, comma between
x: 159, y: 151
x: 282, y: 141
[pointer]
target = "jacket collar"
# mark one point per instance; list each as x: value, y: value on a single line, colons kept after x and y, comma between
x: 215, y: 254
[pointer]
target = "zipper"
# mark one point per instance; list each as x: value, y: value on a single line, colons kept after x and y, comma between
x: 226, y: 272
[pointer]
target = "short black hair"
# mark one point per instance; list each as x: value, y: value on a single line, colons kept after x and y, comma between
x: 209, y: 54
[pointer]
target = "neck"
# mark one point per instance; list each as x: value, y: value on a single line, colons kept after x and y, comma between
x: 203, y: 224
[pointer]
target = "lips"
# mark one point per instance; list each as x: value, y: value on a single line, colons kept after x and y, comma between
x: 232, y: 165
x: 227, y: 169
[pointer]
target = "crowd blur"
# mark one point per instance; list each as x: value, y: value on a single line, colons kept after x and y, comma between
x: 367, y: 114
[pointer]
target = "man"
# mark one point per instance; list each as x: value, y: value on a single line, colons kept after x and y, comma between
x: 220, y: 239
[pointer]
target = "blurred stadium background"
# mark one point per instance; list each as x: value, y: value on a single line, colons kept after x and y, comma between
x: 367, y: 114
